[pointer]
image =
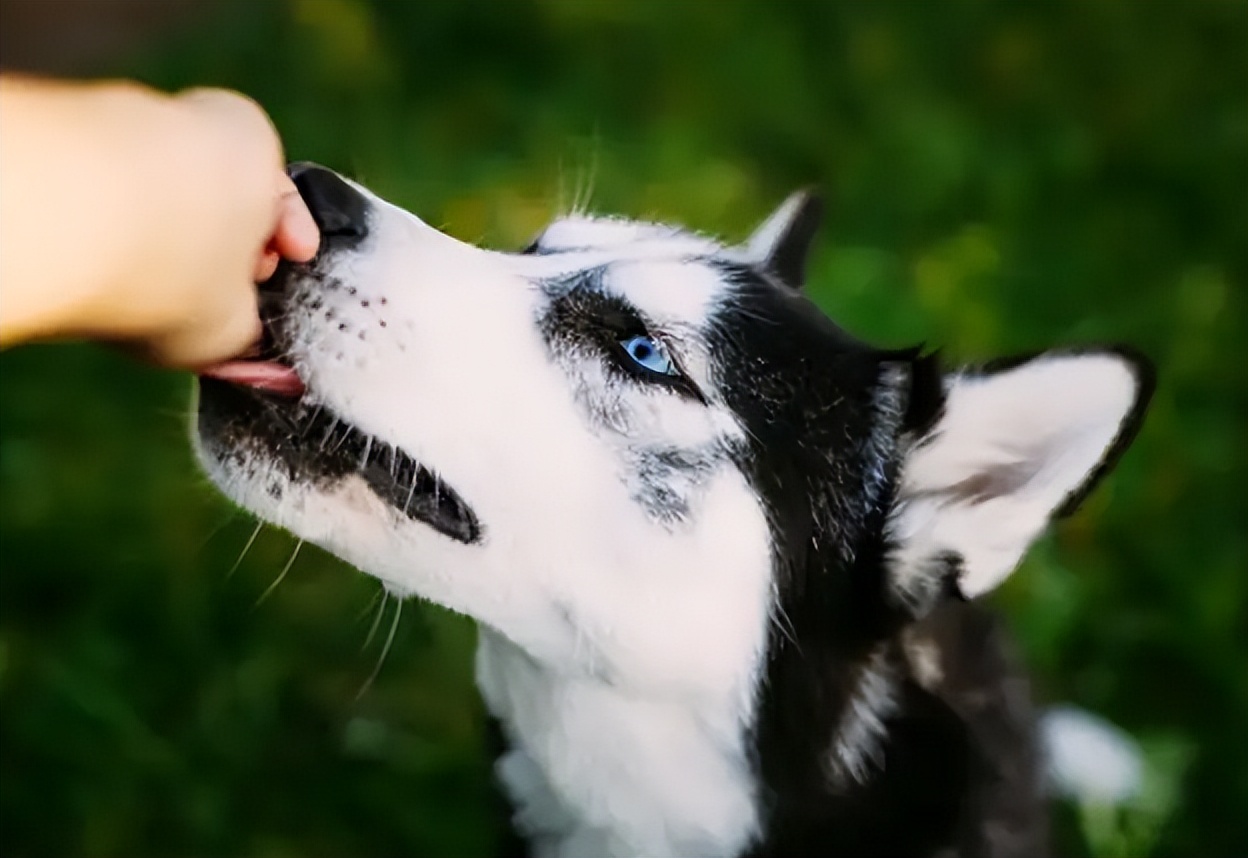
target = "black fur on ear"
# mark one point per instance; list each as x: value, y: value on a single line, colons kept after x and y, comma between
x: 781, y: 244
x: 924, y: 390
x: 927, y: 393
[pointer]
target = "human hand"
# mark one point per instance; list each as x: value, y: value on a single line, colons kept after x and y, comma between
x: 140, y: 218
x: 238, y: 214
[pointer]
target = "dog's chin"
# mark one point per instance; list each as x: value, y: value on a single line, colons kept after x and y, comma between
x: 259, y: 407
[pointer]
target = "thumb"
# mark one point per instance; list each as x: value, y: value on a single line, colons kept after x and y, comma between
x: 199, y: 344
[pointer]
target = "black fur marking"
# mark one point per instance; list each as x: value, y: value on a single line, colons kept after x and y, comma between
x: 828, y: 418
x: 926, y: 401
x: 583, y: 318
x: 666, y: 477
x: 1146, y: 384
x: 313, y: 445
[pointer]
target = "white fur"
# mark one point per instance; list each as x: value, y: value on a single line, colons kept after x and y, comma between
x: 640, y: 240
x: 1009, y: 449
x: 859, y: 745
x: 633, y: 774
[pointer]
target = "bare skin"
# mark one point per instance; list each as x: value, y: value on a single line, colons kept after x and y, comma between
x: 140, y: 218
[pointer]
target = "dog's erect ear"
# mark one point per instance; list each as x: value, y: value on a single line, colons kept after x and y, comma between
x: 782, y: 243
x: 1015, y: 445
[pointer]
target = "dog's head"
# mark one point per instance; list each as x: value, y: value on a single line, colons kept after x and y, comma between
x: 629, y: 447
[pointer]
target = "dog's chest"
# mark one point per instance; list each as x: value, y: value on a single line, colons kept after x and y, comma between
x: 591, y: 771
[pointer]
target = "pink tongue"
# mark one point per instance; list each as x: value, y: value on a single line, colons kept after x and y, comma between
x: 262, y: 375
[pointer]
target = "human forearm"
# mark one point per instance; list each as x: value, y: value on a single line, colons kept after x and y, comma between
x: 68, y: 213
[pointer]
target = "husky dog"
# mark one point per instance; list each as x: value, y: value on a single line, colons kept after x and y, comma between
x: 723, y: 555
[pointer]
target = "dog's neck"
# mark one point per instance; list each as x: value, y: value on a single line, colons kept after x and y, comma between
x: 592, y: 769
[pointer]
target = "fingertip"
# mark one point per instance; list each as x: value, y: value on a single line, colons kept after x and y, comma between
x: 267, y: 265
x: 297, y: 235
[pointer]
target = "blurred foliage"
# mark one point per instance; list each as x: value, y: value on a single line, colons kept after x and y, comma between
x: 1002, y: 177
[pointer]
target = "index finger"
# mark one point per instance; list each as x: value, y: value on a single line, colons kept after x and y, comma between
x: 296, y: 236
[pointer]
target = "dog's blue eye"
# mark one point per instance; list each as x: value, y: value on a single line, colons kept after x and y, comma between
x: 648, y: 354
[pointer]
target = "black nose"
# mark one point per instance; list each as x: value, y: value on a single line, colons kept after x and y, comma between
x: 339, y: 210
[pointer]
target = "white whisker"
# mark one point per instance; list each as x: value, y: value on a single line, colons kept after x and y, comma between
x: 364, y: 612
x: 310, y: 420
x: 411, y: 492
x: 582, y: 205
x: 381, y: 610
x: 781, y: 621
x: 329, y: 432
x: 561, y: 187
x: 230, y: 516
x: 282, y: 575
x: 385, y: 650
x: 346, y: 433
x: 250, y: 542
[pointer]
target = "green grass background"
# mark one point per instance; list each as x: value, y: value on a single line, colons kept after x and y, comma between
x: 1001, y: 177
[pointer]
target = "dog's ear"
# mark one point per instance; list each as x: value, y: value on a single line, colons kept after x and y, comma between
x: 781, y: 244
x: 1014, y: 445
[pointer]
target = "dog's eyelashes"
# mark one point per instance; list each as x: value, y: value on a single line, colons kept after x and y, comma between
x: 623, y: 322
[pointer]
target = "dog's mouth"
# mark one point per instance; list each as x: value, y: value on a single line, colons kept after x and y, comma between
x: 404, y: 484
x: 260, y: 400
x: 266, y: 368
